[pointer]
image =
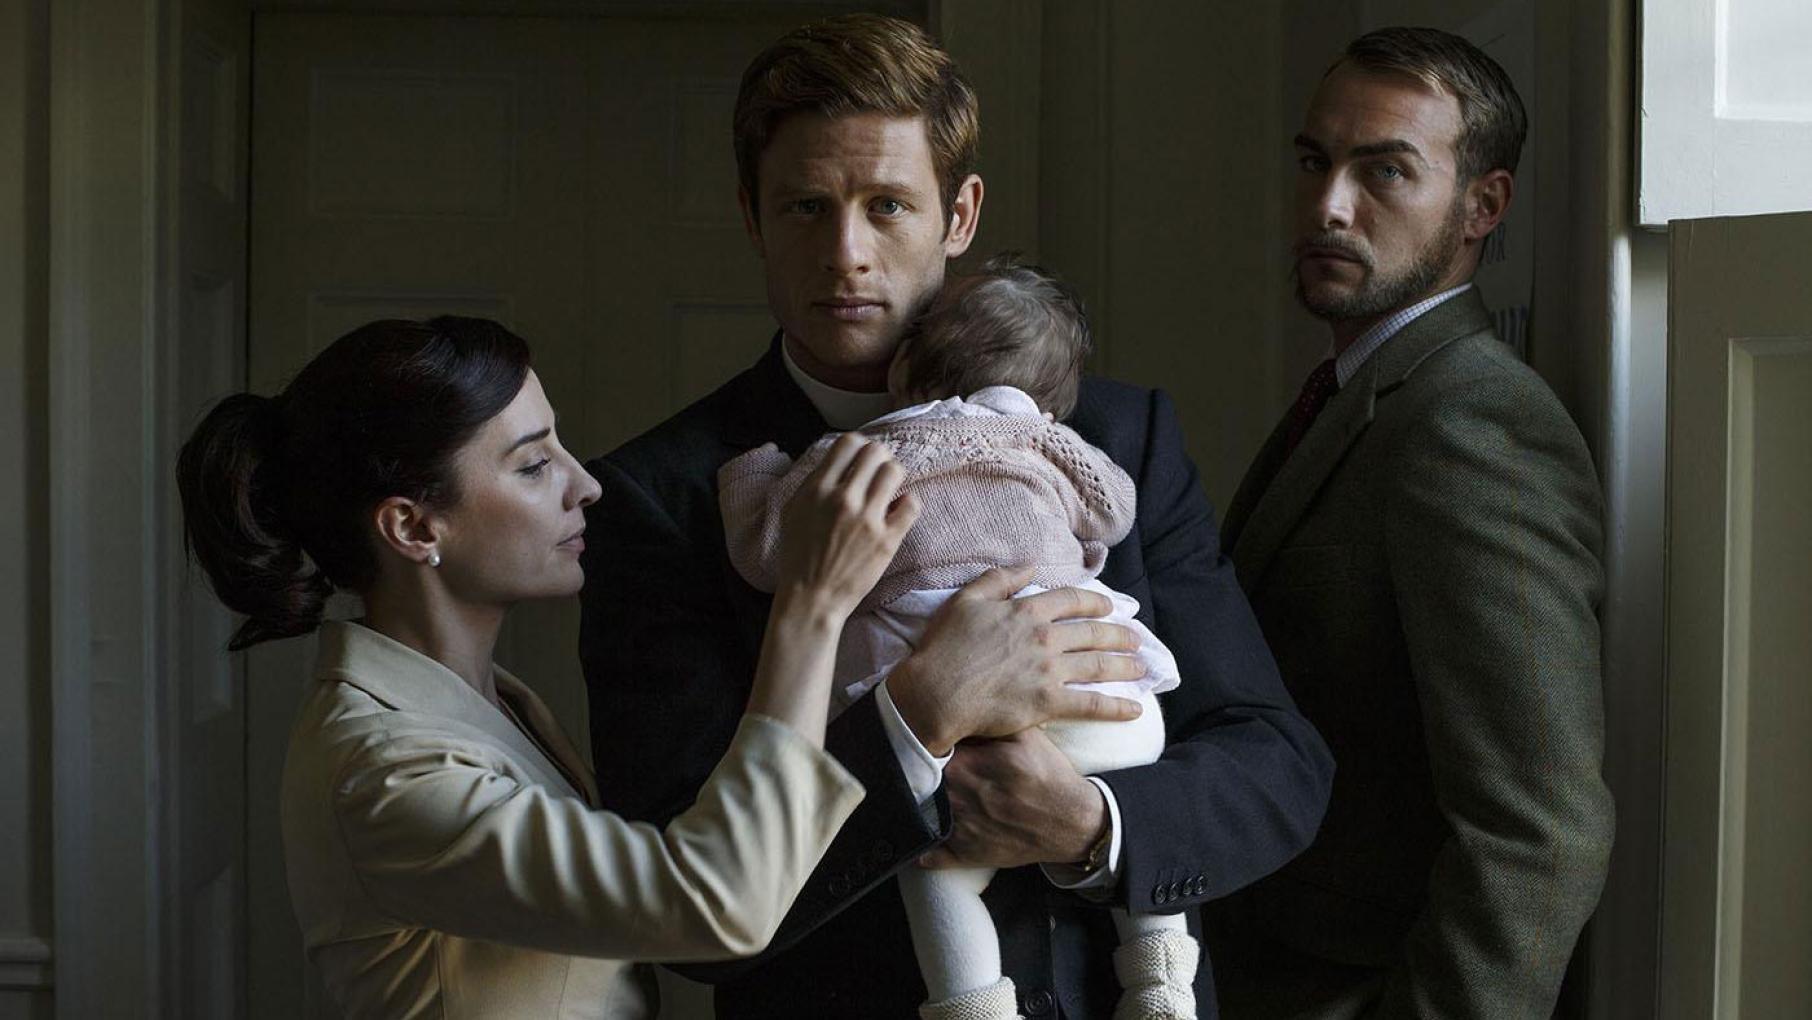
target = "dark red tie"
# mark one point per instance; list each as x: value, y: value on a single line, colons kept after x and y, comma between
x: 1320, y: 385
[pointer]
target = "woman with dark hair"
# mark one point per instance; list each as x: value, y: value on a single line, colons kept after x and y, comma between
x: 444, y: 854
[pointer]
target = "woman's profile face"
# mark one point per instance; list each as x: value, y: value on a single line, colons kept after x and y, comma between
x: 517, y: 530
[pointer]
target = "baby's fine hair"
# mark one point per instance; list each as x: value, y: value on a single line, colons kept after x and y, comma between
x: 1009, y: 324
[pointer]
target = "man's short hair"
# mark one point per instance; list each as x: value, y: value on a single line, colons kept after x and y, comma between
x: 1010, y: 324
x: 858, y: 63
x: 1493, y: 123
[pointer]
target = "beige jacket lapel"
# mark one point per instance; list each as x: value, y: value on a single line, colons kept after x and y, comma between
x: 1274, y: 513
x: 535, y: 714
x: 408, y: 681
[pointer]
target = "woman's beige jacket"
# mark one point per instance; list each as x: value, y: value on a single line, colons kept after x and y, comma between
x: 444, y: 865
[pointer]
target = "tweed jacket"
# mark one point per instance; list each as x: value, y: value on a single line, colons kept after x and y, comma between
x: 1425, y: 566
x: 445, y: 863
x: 1237, y: 793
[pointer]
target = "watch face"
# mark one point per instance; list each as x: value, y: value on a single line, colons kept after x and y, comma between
x: 1097, y: 854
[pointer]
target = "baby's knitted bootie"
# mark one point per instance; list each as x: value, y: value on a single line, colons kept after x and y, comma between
x: 1157, y: 977
x: 993, y: 1002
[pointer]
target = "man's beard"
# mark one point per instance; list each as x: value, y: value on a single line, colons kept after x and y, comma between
x: 1378, y: 295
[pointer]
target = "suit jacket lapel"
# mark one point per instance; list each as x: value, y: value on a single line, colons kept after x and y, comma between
x: 1459, y: 316
x: 769, y: 407
x: 1299, y: 477
x: 1268, y: 513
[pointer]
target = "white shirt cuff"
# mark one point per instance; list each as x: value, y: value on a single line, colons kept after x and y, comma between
x: 1068, y: 876
x: 924, y: 770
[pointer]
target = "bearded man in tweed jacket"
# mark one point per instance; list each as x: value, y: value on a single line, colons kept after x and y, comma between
x: 1421, y: 541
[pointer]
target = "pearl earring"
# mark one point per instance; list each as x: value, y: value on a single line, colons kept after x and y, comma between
x: 434, y: 559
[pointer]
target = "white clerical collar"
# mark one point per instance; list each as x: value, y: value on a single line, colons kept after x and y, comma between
x: 841, y: 409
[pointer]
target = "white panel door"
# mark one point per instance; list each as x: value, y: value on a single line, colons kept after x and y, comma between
x: 572, y: 178
x: 205, y: 765
x: 1737, y: 891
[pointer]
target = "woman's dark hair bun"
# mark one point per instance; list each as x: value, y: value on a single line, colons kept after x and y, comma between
x: 233, y: 522
x: 277, y: 492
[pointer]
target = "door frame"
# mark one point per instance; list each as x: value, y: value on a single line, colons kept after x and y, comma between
x: 1719, y: 672
x: 116, y: 562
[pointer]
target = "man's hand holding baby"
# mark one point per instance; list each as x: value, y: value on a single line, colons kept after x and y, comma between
x: 992, y: 665
x: 1017, y: 800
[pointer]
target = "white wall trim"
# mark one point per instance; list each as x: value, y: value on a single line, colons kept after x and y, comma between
x: 25, y: 964
x: 107, y: 147
x: 1626, y: 266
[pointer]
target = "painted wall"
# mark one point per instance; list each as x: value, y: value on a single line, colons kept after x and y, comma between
x: 25, y: 901
x: 1163, y: 160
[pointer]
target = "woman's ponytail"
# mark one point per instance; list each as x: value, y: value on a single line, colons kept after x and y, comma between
x: 230, y: 476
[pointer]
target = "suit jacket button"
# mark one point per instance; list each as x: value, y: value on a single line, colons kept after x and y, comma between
x: 839, y: 886
x: 1039, y: 1003
x: 1198, y: 886
x: 1160, y: 894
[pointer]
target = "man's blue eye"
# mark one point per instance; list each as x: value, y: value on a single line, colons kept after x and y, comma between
x: 808, y: 206
x: 1389, y: 172
x: 889, y: 207
x: 1311, y: 164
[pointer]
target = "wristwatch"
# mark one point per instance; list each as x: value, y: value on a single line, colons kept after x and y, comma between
x: 1097, y: 854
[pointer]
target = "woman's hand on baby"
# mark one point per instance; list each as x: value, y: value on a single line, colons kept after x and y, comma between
x: 842, y: 528
x: 838, y: 534
x: 991, y: 665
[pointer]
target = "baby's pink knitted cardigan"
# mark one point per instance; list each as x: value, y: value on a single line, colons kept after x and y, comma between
x: 995, y: 489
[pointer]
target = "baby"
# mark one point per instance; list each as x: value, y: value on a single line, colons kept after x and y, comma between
x: 981, y: 379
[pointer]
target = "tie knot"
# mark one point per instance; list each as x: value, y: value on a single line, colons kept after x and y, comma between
x: 1316, y: 390
x: 1320, y: 385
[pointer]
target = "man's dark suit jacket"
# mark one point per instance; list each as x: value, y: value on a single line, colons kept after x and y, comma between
x: 1426, y: 567
x: 669, y: 638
